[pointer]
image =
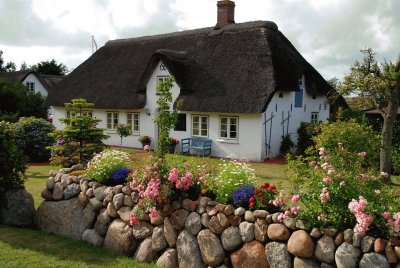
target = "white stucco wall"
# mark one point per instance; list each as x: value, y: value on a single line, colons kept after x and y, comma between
x: 38, y: 85
x: 297, y: 115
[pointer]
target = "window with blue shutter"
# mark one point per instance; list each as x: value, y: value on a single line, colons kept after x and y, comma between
x: 298, y: 98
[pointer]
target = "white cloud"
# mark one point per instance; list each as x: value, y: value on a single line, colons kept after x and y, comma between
x: 329, y: 33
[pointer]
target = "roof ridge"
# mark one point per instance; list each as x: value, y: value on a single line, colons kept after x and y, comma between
x: 207, y: 30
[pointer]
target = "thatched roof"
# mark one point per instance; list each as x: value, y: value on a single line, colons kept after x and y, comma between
x: 48, y: 81
x: 234, y: 69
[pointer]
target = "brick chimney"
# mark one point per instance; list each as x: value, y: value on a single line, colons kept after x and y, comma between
x: 226, y: 13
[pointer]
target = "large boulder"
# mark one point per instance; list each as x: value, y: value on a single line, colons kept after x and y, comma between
x: 18, y: 208
x: 251, y: 255
x: 188, y: 251
x: 300, y: 244
x: 210, y: 247
x: 278, y: 255
x: 63, y: 218
x: 169, y: 259
x: 144, y: 252
x: 119, y: 238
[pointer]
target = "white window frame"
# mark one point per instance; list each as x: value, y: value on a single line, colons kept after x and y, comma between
x: 162, y: 78
x: 314, y: 117
x: 200, y: 128
x: 30, y: 87
x: 114, y: 120
x: 134, y: 122
x: 69, y: 113
x: 228, y: 128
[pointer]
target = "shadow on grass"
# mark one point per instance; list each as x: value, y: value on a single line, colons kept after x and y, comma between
x: 59, y: 249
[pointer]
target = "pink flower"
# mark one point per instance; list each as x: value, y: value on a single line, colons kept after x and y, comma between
x: 282, y: 217
x: 133, y: 219
x: 342, y: 183
x: 384, y: 175
x: 321, y: 217
x: 325, y: 197
x: 295, y: 210
x: 146, y: 148
x: 327, y: 180
x: 295, y: 198
x: 153, y: 213
x: 321, y: 151
x: 362, y: 154
x: 386, y: 215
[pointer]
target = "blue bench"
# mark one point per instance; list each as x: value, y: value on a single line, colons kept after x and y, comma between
x: 196, y: 143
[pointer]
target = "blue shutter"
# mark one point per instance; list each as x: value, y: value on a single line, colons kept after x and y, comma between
x: 298, y: 98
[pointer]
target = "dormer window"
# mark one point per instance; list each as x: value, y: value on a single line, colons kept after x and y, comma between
x: 30, y: 87
x: 280, y: 95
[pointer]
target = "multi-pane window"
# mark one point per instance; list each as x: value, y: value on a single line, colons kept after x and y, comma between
x: 30, y: 87
x: 112, y: 120
x: 133, y: 120
x: 228, y: 127
x: 162, y: 78
x: 314, y: 117
x: 200, y: 125
x: 84, y: 113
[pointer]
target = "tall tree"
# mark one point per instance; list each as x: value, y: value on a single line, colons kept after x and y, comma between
x: 50, y: 67
x: 379, y: 85
x: 6, y: 67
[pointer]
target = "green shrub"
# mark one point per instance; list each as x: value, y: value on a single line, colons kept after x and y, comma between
x: 396, y: 160
x: 349, y: 138
x: 102, y: 166
x: 34, y: 134
x: 231, y: 176
x: 286, y: 144
x: 306, y: 133
x: 12, y: 159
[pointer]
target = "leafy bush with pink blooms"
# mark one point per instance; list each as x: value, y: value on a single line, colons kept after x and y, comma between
x: 342, y: 195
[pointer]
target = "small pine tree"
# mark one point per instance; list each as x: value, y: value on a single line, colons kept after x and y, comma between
x: 80, y: 138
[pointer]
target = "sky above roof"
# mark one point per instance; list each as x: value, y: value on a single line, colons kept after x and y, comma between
x: 328, y: 33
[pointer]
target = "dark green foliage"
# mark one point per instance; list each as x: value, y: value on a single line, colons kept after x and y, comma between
x: 80, y: 138
x: 286, y: 144
x: 16, y: 102
x: 306, y: 132
x: 123, y: 130
x: 166, y: 119
x: 33, y: 133
x: 50, y: 67
x: 12, y: 159
x: 6, y: 67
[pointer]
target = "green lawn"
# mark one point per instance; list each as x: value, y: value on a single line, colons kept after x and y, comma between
x: 33, y: 248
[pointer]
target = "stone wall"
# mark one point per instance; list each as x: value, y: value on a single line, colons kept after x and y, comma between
x: 199, y: 233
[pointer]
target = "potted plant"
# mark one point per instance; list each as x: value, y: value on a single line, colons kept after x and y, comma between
x: 172, y: 144
x: 145, y: 140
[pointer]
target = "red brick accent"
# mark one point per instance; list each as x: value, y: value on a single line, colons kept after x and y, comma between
x: 225, y: 14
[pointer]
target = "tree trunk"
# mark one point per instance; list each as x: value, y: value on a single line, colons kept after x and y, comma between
x: 389, y: 120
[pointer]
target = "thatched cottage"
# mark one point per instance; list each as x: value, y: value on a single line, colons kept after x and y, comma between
x: 243, y: 85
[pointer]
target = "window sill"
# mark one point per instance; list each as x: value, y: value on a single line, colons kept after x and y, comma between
x: 228, y: 141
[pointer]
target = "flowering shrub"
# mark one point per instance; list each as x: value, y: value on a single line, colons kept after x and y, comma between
x: 34, y: 135
x: 159, y: 182
x: 104, y: 164
x: 327, y: 188
x: 174, y: 141
x: 144, y: 139
x: 231, y: 175
x: 119, y: 176
x: 265, y: 198
x: 242, y: 196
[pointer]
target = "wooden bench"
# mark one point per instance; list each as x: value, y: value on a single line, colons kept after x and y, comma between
x: 196, y: 143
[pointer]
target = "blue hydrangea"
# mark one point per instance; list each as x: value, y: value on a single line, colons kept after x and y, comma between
x: 119, y: 175
x: 242, y: 195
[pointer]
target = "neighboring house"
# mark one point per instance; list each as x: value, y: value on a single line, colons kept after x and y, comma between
x: 243, y: 85
x: 34, y: 82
